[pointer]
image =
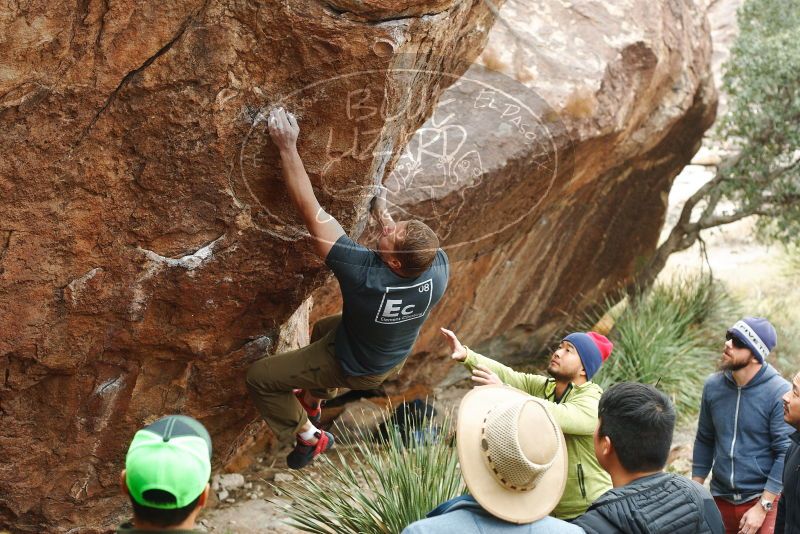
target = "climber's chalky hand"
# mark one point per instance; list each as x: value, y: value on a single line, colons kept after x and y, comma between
x: 283, y: 128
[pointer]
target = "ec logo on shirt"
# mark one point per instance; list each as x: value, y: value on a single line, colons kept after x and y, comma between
x: 400, y: 304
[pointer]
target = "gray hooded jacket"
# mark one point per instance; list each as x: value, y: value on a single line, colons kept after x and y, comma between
x: 741, y: 433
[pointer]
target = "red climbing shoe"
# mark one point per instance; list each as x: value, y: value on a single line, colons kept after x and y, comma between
x: 304, y: 452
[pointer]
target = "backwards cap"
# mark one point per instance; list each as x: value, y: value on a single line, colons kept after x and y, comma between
x: 593, y: 349
x: 172, y: 455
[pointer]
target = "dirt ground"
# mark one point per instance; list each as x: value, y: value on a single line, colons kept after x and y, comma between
x: 258, y: 507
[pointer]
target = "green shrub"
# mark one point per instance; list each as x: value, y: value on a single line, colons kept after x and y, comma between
x: 672, y: 337
x: 376, y: 486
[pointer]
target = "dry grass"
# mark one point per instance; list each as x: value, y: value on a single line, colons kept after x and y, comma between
x: 491, y: 60
x: 581, y: 103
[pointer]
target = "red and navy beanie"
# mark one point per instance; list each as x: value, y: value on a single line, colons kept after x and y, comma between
x: 593, y: 349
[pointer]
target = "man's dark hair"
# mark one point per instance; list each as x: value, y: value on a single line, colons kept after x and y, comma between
x: 159, y: 517
x: 639, y: 419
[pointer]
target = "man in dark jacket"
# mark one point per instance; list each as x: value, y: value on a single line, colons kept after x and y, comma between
x: 632, y: 442
x: 788, y: 521
x: 741, y: 432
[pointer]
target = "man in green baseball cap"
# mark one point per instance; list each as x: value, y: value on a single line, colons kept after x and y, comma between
x: 166, y: 475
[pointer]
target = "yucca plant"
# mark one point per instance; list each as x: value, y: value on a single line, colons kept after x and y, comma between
x: 378, y: 485
x: 671, y: 336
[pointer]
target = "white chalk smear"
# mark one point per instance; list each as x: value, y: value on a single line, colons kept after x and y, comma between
x: 189, y: 262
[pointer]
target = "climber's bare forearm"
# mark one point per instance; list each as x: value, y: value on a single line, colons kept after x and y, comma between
x: 379, y: 209
x: 324, y: 229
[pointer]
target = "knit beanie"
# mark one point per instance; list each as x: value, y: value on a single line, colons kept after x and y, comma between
x: 593, y: 349
x: 758, y: 334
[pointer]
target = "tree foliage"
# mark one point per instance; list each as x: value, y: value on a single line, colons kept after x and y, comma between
x: 762, y: 79
x: 762, y: 176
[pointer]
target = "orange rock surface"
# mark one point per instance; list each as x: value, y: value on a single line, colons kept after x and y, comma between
x: 148, y: 249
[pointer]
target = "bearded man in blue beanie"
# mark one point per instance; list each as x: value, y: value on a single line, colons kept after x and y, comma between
x: 741, y: 435
x: 572, y: 398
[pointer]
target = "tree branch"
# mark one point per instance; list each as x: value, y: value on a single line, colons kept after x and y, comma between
x: 719, y: 220
x: 783, y: 170
x: 711, y: 206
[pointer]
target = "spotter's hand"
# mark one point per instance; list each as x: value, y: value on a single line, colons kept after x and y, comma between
x: 283, y: 129
x: 459, y: 351
x: 483, y: 376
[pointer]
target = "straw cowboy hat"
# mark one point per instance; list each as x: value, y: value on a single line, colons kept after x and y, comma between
x: 512, y: 453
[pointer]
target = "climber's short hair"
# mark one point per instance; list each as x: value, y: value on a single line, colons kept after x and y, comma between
x: 418, y: 248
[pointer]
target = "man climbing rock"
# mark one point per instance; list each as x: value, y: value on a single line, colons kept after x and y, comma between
x: 387, y: 295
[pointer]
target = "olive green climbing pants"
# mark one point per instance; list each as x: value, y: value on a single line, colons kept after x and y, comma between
x: 314, y: 367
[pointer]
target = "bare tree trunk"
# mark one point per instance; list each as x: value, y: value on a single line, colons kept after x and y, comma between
x: 686, y: 233
x: 646, y: 277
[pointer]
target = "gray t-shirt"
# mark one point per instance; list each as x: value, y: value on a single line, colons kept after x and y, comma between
x: 382, y: 312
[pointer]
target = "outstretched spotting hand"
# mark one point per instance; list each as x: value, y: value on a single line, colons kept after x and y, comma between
x: 483, y: 376
x: 459, y: 352
x: 283, y: 129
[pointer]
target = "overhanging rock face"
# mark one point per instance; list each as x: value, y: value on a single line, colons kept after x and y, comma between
x: 547, y: 176
x: 148, y: 250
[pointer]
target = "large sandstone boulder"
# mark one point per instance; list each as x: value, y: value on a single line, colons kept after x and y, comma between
x: 148, y: 250
x: 547, y: 173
